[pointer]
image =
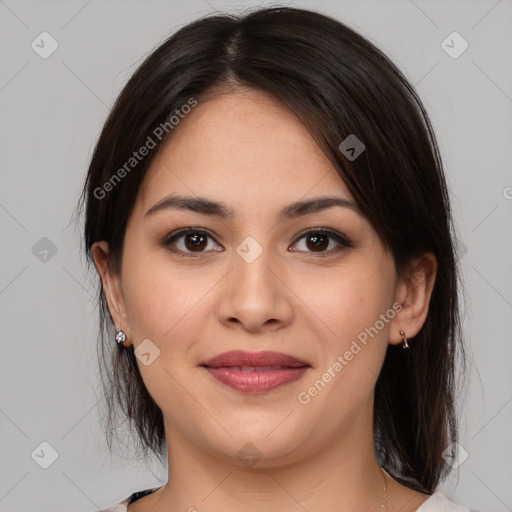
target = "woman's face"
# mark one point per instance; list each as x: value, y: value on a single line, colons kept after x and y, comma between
x: 255, y: 281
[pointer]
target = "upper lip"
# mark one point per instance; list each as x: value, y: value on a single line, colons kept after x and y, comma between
x: 265, y: 358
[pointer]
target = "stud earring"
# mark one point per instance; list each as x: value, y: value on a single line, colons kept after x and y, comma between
x: 404, y: 339
x: 120, y: 338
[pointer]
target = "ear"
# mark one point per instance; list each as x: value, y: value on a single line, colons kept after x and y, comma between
x: 413, y: 292
x: 112, y: 286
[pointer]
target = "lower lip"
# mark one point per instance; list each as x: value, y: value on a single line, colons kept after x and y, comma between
x: 256, y: 381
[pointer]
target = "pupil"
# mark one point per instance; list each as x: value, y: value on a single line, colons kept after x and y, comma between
x: 197, y: 241
x: 317, y: 241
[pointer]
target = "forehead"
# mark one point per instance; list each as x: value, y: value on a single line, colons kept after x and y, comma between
x: 245, y: 148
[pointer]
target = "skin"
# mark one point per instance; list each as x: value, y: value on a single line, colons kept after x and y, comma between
x: 248, y: 151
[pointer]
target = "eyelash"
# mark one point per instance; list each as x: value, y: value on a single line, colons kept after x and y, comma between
x: 342, y: 240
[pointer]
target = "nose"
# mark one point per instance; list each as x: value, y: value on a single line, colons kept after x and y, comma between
x: 254, y: 296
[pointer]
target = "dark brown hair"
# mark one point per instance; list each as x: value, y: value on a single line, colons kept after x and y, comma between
x: 338, y: 84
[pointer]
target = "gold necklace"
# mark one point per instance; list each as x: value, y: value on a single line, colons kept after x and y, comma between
x: 384, y: 501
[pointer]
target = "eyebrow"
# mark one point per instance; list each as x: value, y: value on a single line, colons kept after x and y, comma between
x: 213, y: 208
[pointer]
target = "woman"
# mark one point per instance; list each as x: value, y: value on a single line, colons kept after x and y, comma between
x: 268, y: 214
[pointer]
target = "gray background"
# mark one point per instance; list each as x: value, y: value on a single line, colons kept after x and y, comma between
x: 52, y: 111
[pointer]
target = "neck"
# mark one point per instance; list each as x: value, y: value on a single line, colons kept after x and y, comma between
x: 342, y: 475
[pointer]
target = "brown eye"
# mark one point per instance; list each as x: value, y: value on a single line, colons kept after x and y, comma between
x: 319, y: 240
x: 190, y: 240
x: 195, y: 242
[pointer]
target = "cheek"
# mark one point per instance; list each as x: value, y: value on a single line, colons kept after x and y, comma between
x: 163, y: 302
x: 356, y: 341
x: 167, y: 307
x: 348, y: 300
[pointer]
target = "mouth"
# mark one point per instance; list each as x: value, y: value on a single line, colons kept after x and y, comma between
x: 255, y: 372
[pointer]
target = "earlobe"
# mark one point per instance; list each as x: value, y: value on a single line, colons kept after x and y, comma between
x: 413, y: 293
x: 111, y: 284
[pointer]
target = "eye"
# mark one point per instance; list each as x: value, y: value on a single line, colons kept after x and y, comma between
x: 187, y: 241
x: 195, y: 240
x: 318, y: 240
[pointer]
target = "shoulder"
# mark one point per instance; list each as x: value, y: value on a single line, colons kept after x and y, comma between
x: 122, y: 506
x: 439, y: 503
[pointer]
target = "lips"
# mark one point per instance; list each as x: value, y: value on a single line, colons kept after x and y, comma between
x: 263, y: 361
x: 255, y: 372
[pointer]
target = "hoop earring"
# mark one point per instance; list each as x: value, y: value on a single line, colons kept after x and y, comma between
x: 404, y: 339
x: 120, y: 338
